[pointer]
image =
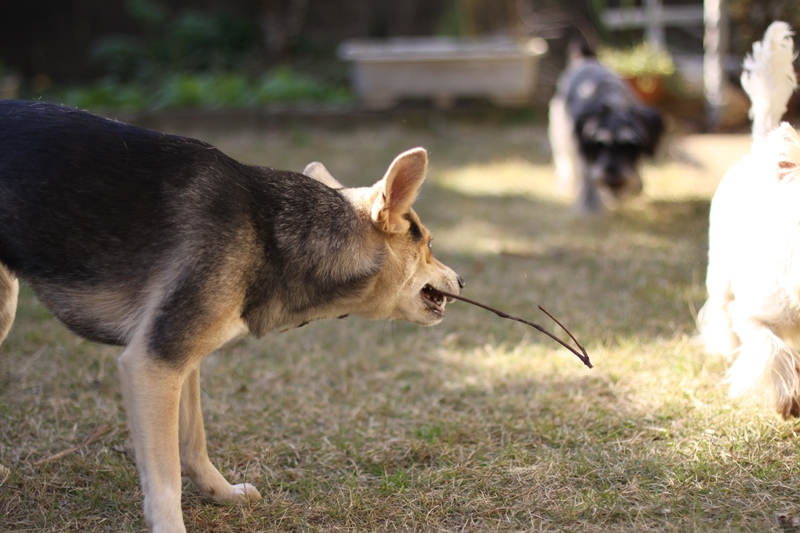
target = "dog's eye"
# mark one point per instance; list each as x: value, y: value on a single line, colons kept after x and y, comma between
x: 430, y: 246
x: 629, y: 150
x: 591, y: 150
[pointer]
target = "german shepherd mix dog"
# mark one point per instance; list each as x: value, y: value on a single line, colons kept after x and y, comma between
x: 167, y: 246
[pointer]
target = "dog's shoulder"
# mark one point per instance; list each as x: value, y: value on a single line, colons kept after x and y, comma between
x: 588, y: 83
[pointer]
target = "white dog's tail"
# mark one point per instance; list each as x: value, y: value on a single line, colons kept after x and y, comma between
x: 769, y: 78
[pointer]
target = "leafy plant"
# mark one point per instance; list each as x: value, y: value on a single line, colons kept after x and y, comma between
x: 124, y: 58
x: 190, y: 60
x: 192, y: 41
x: 147, y: 12
x: 638, y: 60
x: 282, y: 84
x: 106, y: 94
x: 202, y: 41
x: 203, y: 90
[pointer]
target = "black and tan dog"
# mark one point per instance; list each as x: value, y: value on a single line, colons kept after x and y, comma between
x: 599, y: 132
x: 166, y: 246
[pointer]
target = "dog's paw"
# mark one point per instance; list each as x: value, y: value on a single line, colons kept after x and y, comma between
x: 244, y: 492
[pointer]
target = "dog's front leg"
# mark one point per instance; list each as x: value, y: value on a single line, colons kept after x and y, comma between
x: 563, y: 145
x: 193, y: 452
x: 9, y: 291
x: 588, y: 201
x: 152, y: 392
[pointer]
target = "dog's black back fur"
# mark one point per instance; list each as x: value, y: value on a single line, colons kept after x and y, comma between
x: 593, y: 92
x: 88, y: 203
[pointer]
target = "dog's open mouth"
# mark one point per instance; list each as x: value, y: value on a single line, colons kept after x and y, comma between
x: 433, y: 299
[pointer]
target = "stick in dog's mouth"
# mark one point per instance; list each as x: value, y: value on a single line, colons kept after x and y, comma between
x: 432, y: 294
x: 435, y: 299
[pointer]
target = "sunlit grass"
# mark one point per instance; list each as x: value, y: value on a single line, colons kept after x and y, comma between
x: 506, y: 177
x: 476, y: 424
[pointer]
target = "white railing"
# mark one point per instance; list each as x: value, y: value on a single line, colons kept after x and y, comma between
x: 653, y: 18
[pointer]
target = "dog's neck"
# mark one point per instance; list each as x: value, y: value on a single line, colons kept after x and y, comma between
x: 326, y: 249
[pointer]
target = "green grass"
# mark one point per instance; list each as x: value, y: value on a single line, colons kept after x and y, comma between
x: 476, y: 424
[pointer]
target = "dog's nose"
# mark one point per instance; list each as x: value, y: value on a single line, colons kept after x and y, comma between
x: 615, y: 185
x: 460, y: 282
x: 614, y: 181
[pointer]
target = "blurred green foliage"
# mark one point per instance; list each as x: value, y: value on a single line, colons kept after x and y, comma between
x: 206, y: 91
x: 190, y: 41
x: 147, y: 12
x: 190, y: 60
x: 641, y: 59
x: 104, y: 94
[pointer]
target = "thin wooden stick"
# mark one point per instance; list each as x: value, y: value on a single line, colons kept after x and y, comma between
x: 95, y: 435
x: 582, y: 355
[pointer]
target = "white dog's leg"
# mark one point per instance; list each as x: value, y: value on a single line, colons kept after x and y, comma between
x: 563, y: 146
x: 152, y: 392
x: 714, y: 320
x: 726, y: 231
x: 715, y: 328
x: 765, y: 359
x: 193, y: 452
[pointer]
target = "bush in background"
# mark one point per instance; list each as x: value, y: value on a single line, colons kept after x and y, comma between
x: 193, y: 60
x: 206, y: 91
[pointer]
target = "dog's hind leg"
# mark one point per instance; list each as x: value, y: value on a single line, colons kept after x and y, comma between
x: 766, y: 360
x: 9, y: 291
x: 193, y: 453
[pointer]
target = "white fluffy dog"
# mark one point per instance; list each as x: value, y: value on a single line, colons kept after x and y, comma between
x: 753, y: 310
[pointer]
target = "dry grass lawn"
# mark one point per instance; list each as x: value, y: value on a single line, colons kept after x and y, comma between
x: 478, y: 424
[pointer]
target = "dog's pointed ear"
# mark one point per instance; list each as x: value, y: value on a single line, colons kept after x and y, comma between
x: 398, y: 190
x: 318, y: 171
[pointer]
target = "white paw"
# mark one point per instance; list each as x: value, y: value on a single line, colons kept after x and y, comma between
x: 168, y: 528
x: 244, y: 492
